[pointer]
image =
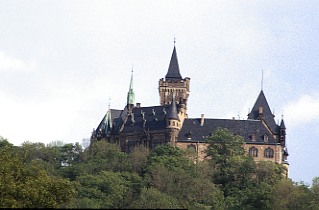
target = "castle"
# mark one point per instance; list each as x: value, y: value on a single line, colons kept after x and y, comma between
x: 169, y: 123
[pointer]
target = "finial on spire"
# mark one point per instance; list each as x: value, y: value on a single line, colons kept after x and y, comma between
x: 174, y: 39
x: 262, y: 79
x: 109, y: 103
x: 282, y: 114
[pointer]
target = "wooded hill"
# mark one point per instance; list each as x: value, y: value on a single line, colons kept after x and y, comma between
x: 35, y: 175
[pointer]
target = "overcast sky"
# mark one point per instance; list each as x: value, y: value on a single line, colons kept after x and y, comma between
x: 63, y: 62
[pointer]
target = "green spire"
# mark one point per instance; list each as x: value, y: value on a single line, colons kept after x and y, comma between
x: 130, y: 94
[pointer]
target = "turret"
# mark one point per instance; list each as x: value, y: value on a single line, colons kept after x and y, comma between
x: 282, y: 133
x: 173, y: 123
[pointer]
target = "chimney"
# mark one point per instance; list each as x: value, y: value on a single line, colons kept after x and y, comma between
x: 138, y: 105
x: 202, y: 120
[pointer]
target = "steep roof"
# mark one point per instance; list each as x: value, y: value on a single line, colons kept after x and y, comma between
x: 172, y: 112
x: 131, y: 94
x: 107, y: 121
x: 268, y: 117
x: 282, y: 124
x: 193, y: 131
x: 145, y: 119
x: 173, y: 69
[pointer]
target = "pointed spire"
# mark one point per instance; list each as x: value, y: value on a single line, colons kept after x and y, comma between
x: 262, y: 109
x: 172, y: 112
x: 282, y: 124
x: 173, y: 69
x: 131, y: 94
x: 262, y: 79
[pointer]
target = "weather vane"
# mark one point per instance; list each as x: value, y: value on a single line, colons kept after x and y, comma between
x: 262, y: 78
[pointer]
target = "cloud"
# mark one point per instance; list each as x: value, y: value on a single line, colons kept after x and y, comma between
x: 304, y: 110
x: 8, y: 63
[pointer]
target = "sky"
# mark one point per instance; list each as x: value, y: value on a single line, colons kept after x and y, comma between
x: 63, y: 63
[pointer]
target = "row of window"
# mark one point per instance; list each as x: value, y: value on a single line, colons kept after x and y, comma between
x: 253, y: 151
x: 268, y: 153
x: 253, y: 137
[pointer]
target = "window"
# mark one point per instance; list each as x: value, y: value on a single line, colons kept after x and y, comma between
x: 253, y: 151
x: 191, y: 147
x: 252, y: 137
x: 265, y: 138
x: 269, y: 153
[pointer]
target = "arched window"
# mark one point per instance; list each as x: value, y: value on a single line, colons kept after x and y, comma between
x: 253, y: 151
x: 191, y: 147
x: 269, y: 153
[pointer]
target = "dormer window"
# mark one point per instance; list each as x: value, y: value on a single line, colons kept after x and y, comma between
x: 189, y: 135
x: 252, y: 137
x: 265, y: 138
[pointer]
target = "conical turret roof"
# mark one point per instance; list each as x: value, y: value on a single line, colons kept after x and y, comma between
x: 172, y: 112
x: 282, y: 124
x: 173, y: 69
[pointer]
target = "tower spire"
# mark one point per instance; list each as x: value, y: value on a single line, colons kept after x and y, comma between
x: 131, y: 94
x: 173, y: 72
x: 262, y: 79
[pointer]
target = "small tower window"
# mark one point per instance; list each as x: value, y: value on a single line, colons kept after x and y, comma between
x: 269, y: 153
x: 253, y: 152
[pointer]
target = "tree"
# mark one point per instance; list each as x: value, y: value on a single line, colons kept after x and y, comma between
x: 25, y: 185
x: 105, y: 190
x: 174, y: 174
x: 315, y: 190
x: 233, y: 169
x: 152, y: 198
x: 138, y: 158
x: 105, y: 156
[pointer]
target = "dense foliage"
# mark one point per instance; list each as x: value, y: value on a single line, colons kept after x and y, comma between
x: 59, y: 175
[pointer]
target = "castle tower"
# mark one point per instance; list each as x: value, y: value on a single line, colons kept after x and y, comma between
x: 174, y: 83
x: 173, y: 123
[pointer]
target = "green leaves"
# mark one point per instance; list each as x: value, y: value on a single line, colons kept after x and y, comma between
x: 38, y: 176
x: 25, y: 185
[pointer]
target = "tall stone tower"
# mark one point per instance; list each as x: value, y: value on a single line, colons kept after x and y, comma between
x: 174, y: 83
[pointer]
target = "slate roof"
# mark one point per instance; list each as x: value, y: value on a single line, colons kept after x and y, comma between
x: 146, y: 119
x: 107, y: 119
x: 172, y: 111
x: 192, y: 131
x: 173, y: 69
x: 267, y: 114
